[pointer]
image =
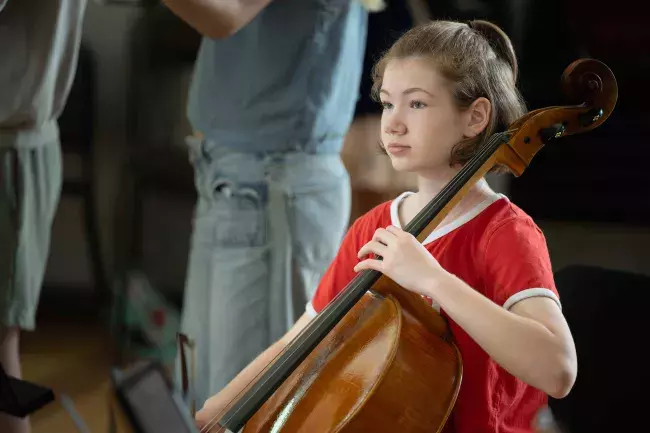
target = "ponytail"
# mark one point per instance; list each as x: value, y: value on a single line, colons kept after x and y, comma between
x: 499, y: 41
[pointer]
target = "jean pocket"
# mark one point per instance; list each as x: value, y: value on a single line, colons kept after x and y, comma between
x: 239, y: 211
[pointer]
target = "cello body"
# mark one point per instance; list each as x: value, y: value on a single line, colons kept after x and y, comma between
x: 373, y: 373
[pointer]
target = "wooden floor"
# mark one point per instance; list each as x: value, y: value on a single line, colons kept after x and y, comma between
x: 72, y: 359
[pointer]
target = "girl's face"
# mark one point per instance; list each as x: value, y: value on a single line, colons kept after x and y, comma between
x: 420, y: 123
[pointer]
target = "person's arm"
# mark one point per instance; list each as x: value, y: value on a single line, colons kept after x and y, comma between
x: 216, y: 19
x: 532, y: 340
x: 215, y: 404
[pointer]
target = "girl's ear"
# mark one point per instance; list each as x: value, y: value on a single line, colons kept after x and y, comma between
x: 477, y: 117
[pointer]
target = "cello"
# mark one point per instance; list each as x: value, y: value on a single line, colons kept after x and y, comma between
x: 379, y: 358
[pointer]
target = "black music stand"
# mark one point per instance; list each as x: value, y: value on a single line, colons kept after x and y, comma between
x: 20, y: 398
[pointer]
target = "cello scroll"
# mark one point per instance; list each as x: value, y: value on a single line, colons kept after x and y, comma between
x: 587, y: 83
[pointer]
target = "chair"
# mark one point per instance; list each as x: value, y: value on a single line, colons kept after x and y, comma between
x: 607, y: 313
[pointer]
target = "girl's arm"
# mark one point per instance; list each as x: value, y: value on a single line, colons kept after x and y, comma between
x: 532, y: 340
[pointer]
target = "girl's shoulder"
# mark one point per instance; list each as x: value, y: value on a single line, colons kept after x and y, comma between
x: 503, y: 213
x: 505, y: 226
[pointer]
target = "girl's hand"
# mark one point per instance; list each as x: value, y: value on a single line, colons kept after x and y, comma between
x: 405, y: 260
x: 209, y: 414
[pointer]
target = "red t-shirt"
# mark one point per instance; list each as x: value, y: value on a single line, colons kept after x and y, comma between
x: 499, y: 251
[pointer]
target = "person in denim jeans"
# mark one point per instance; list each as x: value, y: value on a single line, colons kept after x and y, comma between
x: 272, y: 97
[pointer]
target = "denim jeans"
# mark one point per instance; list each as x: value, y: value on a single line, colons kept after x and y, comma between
x: 266, y: 227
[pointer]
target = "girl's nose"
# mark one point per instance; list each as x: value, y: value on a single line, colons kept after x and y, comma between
x: 395, y: 127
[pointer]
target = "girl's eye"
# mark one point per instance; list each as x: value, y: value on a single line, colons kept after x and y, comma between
x: 418, y: 104
x: 387, y: 105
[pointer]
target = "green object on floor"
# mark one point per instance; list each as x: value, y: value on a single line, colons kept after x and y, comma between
x: 146, y: 322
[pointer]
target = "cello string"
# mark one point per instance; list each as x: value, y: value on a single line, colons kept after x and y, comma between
x: 470, y: 168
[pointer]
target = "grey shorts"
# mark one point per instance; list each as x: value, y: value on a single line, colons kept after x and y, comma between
x: 30, y: 187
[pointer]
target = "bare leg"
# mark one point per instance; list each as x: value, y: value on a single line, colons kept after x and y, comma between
x: 10, y: 359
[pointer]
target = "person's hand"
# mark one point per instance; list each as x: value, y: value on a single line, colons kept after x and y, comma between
x: 209, y: 414
x: 199, y: 424
x: 404, y: 260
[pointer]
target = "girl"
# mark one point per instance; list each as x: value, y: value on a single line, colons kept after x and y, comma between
x: 445, y: 87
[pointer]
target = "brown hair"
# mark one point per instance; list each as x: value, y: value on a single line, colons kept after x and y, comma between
x: 478, y: 60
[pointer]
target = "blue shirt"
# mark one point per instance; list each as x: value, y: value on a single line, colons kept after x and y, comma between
x: 287, y: 81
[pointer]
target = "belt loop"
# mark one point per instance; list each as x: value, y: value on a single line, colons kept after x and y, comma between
x: 205, y: 151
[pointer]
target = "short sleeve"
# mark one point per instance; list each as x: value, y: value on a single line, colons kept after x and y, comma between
x: 517, y: 264
x: 340, y: 272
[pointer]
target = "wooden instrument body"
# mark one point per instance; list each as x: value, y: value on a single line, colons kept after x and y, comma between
x: 374, y: 373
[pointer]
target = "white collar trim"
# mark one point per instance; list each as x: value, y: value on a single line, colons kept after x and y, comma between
x: 447, y: 228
